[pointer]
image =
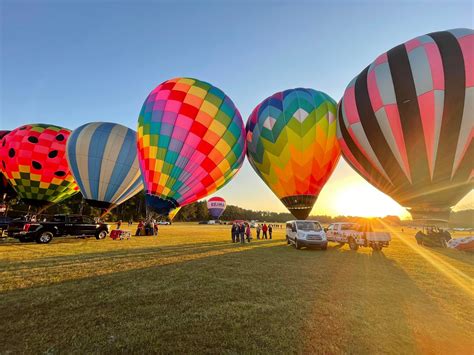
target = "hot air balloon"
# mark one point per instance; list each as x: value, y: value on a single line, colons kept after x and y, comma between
x: 292, y: 145
x: 103, y: 160
x: 173, y: 213
x: 34, y: 162
x: 190, y: 142
x: 6, y: 190
x: 405, y: 123
x: 216, y: 207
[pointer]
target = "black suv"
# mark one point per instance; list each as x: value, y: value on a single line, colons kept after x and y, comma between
x: 62, y: 225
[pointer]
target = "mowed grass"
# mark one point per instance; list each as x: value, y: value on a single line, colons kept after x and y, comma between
x: 190, y: 290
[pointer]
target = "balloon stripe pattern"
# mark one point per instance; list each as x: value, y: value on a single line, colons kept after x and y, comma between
x: 34, y: 161
x: 190, y: 142
x: 292, y: 145
x: 135, y: 188
x: 405, y: 123
x: 103, y: 159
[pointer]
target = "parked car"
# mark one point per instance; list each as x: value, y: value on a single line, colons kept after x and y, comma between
x: 163, y: 223
x: 62, y: 225
x: 307, y: 233
x: 357, y: 236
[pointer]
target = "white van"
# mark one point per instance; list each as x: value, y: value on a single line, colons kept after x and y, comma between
x: 309, y: 234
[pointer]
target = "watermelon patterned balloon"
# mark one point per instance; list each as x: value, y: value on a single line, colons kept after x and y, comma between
x: 34, y: 162
x: 292, y: 145
x: 191, y: 142
x: 6, y: 190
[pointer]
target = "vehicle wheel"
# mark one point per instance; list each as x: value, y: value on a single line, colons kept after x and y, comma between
x: 44, y: 238
x: 288, y: 240
x: 352, y: 244
x: 101, y: 235
x: 297, y: 245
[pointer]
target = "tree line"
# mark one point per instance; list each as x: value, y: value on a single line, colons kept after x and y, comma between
x: 135, y: 209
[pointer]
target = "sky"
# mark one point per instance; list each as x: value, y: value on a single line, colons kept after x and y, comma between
x: 73, y: 62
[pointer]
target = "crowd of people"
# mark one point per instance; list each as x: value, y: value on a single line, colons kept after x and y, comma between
x: 147, y: 227
x: 241, y: 232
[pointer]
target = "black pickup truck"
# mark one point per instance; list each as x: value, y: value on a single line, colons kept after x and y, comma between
x: 62, y: 225
x: 4, y: 222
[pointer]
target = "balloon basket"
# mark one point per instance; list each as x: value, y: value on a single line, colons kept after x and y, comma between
x: 430, y: 214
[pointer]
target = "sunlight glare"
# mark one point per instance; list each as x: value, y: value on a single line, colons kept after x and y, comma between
x: 361, y: 199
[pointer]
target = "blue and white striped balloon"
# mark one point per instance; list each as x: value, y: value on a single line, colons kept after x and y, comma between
x: 103, y: 159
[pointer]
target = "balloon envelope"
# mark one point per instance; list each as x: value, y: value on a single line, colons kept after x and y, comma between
x: 173, y: 213
x: 216, y: 207
x: 34, y: 161
x: 103, y: 159
x: 292, y: 145
x: 6, y: 190
x: 405, y: 123
x: 190, y: 142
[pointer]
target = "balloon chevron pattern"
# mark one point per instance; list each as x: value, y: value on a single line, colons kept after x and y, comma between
x: 406, y: 122
x: 291, y: 144
x: 104, y: 162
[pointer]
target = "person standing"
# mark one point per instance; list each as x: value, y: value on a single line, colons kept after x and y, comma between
x: 248, y: 233
x: 270, y: 231
x: 234, y: 232
x: 139, y: 228
x: 264, y: 231
x: 258, y: 231
x: 242, y: 233
x: 119, y: 223
x: 147, y: 227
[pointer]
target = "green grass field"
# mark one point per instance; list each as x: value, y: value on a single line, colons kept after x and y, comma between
x: 190, y: 290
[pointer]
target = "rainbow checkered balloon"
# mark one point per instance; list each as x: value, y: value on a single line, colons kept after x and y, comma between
x: 292, y: 145
x: 191, y: 142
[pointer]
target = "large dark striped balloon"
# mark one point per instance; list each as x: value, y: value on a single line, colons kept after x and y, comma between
x: 406, y: 122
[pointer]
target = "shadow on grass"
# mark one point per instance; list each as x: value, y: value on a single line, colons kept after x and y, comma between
x: 256, y: 299
x: 259, y: 299
x: 151, y: 250
x: 59, y: 268
x: 374, y: 306
x: 464, y: 257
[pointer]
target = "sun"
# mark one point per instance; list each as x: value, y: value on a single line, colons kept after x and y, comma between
x: 358, y: 198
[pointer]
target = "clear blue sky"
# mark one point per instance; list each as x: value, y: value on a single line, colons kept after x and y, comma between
x: 72, y: 62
